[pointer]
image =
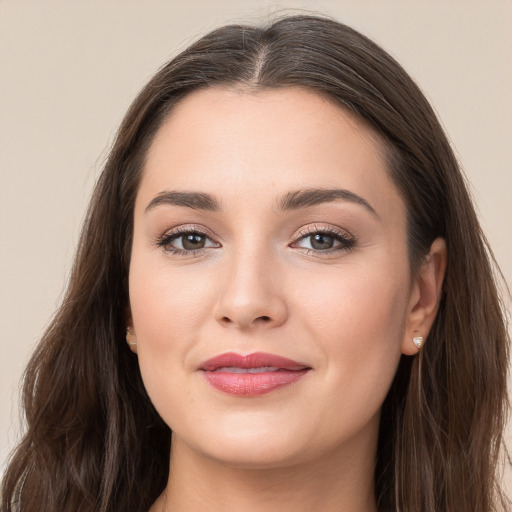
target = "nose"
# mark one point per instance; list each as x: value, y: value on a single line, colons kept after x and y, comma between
x: 251, y: 294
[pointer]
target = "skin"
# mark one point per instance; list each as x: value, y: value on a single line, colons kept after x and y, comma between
x: 260, y: 283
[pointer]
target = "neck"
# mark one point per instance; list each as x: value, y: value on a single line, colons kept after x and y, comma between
x: 338, y: 481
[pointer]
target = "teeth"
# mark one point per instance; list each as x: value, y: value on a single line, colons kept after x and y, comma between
x: 234, y: 369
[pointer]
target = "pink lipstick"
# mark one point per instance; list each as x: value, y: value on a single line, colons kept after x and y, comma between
x: 251, y: 375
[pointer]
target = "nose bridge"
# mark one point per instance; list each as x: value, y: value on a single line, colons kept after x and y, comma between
x: 250, y: 294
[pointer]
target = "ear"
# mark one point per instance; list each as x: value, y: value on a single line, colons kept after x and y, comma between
x: 425, y: 296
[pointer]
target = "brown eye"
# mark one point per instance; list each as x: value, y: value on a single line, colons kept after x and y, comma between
x: 186, y: 242
x: 321, y: 241
x: 193, y: 241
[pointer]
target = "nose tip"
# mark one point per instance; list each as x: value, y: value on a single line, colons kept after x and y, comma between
x: 249, y: 315
x: 248, y: 299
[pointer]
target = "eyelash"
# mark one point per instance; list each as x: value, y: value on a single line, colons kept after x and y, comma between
x: 165, y: 241
x: 347, y: 242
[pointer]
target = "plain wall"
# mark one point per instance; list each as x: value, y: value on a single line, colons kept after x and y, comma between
x: 69, y: 70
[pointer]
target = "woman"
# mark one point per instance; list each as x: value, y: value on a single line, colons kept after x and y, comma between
x: 281, y: 266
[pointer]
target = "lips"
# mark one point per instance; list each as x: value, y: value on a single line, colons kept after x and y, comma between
x: 251, y: 375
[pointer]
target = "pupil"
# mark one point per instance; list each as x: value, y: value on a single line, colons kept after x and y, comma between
x: 320, y: 241
x: 193, y: 241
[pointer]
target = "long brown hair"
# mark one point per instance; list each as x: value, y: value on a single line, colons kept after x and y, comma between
x: 94, y: 441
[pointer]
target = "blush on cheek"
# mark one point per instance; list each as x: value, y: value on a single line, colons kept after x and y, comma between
x: 164, y: 303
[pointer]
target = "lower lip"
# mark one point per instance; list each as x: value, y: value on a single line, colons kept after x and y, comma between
x: 252, y: 384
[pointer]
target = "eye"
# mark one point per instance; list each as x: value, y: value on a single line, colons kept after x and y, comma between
x: 324, y: 240
x: 186, y: 241
x: 321, y: 241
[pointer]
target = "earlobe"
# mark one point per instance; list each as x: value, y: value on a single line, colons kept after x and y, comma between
x: 425, y: 298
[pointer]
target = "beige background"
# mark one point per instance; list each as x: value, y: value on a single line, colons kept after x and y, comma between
x: 68, y: 71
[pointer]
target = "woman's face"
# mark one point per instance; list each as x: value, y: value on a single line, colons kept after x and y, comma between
x: 266, y: 223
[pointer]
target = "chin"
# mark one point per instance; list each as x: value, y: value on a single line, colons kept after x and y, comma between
x: 256, y: 455
x: 250, y: 447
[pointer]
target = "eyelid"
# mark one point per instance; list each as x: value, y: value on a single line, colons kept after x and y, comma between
x: 189, y: 228
x: 312, y: 229
x: 315, y: 228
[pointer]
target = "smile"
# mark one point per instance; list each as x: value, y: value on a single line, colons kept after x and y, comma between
x: 251, y: 375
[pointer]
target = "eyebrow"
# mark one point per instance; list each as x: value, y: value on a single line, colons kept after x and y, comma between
x: 308, y: 197
x: 303, y: 198
x: 194, y: 200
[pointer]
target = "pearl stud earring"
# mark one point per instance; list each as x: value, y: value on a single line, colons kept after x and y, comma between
x: 131, y: 344
x: 418, y: 341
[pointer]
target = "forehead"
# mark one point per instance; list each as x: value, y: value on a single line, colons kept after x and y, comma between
x: 228, y: 142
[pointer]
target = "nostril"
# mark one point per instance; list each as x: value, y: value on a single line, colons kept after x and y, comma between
x: 245, y: 322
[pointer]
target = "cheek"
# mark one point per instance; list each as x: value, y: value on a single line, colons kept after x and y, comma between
x: 164, y: 304
x: 362, y: 300
x: 165, y: 309
x: 357, y: 319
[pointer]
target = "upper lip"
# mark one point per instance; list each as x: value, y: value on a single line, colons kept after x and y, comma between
x: 254, y: 360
